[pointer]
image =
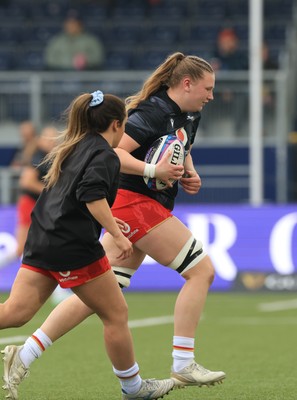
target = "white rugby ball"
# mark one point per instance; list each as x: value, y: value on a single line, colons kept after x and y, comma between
x: 156, y: 152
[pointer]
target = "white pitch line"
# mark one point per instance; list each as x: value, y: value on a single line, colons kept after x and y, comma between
x: 13, y: 339
x: 278, y: 305
x: 258, y: 321
x: 137, y: 323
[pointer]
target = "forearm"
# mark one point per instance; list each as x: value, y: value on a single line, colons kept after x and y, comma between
x: 102, y: 213
x: 130, y: 164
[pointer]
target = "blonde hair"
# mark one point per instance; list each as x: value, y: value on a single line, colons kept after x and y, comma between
x: 169, y: 74
x: 82, y: 120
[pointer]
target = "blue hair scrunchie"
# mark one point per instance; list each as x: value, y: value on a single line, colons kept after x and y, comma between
x: 97, y: 99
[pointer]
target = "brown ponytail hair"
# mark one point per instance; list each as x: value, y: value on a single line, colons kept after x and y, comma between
x: 169, y: 74
x: 82, y: 120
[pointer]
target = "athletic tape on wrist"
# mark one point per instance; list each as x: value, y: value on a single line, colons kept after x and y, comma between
x: 149, y: 170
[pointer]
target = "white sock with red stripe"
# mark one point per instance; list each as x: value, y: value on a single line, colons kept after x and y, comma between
x: 183, y: 352
x: 130, y: 379
x: 34, y: 346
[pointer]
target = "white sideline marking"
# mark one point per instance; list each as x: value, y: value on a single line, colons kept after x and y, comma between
x: 13, y: 339
x: 258, y: 321
x: 137, y: 323
x: 278, y: 305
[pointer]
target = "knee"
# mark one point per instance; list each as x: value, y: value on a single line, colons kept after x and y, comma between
x: 122, y: 315
x: 203, y: 270
x: 210, y: 272
x: 117, y: 317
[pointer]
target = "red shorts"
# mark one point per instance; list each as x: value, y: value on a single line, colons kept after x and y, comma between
x: 76, y: 277
x: 25, y: 207
x: 141, y: 213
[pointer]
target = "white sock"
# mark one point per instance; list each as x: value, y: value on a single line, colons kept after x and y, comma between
x: 183, y: 352
x: 34, y: 346
x: 130, y: 379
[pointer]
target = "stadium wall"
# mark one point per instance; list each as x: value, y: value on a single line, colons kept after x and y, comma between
x: 253, y: 248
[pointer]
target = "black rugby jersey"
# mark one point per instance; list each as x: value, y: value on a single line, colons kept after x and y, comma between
x: 63, y: 234
x: 153, y: 118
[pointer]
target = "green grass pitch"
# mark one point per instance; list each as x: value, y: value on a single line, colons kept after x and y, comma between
x: 256, y: 349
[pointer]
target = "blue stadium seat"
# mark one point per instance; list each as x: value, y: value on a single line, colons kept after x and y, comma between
x: 6, y: 59
x: 30, y: 60
x: 149, y: 59
x: 123, y: 34
x: 134, y: 12
x: 278, y: 8
x: 9, y: 34
x: 39, y: 35
x: 18, y: 107
x: 92, y: 12
x: 47, y: 11
x: 162, y: 34
x: 203, y: 33
x: 168, y: 11
x: 209, y: 10
x: 275, y: 32
x: 15, y: 12
x: 118, y: 59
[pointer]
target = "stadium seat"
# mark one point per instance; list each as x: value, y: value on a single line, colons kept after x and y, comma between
x: 206, y: 33
x: 124, y: 34
x: 39, y: 34
x: 135, y: 12
x: 277, y: 8
x: 166, y: 34
x: 30, y: 59
x: 149, y: 59
x: 18, y: 107
x: 168, y: 10
x: 203, y: 9
x: 92, y: 12
x: 9, y: 34
x: 118, y: 59
x: 6, y: 59
x: 165, y: 24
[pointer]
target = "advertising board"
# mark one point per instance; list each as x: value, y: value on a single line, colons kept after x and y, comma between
x: 252, y: 248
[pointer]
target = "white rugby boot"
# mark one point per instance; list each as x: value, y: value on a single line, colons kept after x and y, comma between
x: 151, y: 389
x: 196, y: 375
x: 14, y: 371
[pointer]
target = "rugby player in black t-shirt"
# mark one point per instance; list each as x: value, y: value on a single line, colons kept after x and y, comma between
x: 63, y: 244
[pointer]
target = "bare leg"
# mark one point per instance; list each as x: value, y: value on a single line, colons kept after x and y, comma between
x: 72, y: 311
x: 29, y: 292
x: 64, y: 317
x: 163, y: 243
x: 104, y: 296
x: 191, y: 299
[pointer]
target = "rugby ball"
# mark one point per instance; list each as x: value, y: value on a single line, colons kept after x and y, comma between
x: 157, y: 151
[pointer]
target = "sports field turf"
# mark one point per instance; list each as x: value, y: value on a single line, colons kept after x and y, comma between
x: 257, y: 350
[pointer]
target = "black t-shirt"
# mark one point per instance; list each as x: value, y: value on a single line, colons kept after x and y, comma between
x: 153, y: 118
x: 63, y: 234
